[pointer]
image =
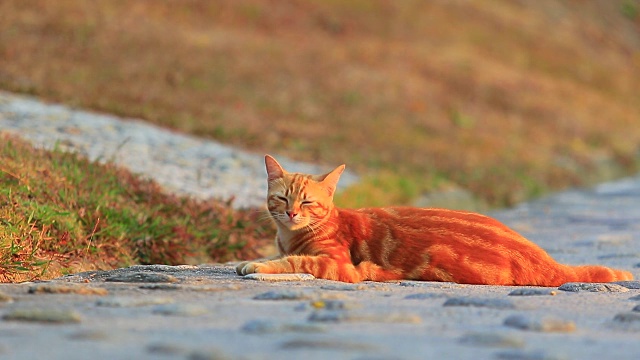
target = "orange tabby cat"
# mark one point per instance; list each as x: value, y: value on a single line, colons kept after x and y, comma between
x: 396, y: 243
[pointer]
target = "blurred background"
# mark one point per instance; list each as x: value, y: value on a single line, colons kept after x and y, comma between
x: 487, y: 102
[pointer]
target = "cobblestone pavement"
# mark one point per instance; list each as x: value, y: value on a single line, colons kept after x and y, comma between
x: 208, y: 312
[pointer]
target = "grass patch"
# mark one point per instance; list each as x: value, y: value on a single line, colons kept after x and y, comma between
x: 60, y: 213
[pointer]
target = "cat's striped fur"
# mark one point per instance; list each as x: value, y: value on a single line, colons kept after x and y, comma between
x: 396, y: 243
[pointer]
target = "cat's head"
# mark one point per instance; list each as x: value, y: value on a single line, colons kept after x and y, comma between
x: 297, y: 201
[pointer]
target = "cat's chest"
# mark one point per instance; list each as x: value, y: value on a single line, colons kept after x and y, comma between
x: 289, y: 243
x: 284, y: 242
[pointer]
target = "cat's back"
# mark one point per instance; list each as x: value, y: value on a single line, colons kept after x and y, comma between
x: 429, y: 220
x: 425, y: 216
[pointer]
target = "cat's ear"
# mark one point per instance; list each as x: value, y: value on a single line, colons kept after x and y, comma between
x: 274, y: 170
x: 330, y: 180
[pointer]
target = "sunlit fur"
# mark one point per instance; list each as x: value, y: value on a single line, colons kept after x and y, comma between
x: 397, y: 243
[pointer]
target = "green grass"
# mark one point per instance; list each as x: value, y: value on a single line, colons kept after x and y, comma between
x: 61, y: 213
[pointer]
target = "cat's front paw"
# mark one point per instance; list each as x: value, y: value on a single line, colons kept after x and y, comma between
x: 249, y: 268
x: 241, y: 266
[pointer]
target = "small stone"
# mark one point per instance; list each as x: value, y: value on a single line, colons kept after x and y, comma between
x: 546, y: 324
x: 180, y: 310
x: 279, y: 277
x: 344, y: 287
x: 327, y: 344
x: 631, y: 284
x: 271, y: 327
x: 480, y: 302
x: 343, y: 316
x: 90, y: 335
x: 4, y: 298
x: 142, y: 277
x: 162, y: 268
x: 282, y: 295
x: 592, y: 287
x: 636, y: 308
x: 209, y: 354
x: 43, y: 315
x: 334, y: 305
x: 425, y: 296
x: 67, y: 289
x: 528, y: 355
x: 629, y: 317
x: 532, y: 292
x: 166, y: 349
x: 635, y: 298
x: 429, y: 284
x: 132, y: 302
x: 161, y: 287
x: 493, y: 340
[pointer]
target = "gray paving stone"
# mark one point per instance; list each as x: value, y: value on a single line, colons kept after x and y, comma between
x: 530, y: 355
x: 142, y: 277
x: 271, y: 327
x: 592, y: 287
x: 180, y: 310
x: 544, y: 324
x: 44, y: 315
x: 67, y: 289
x: 480, y: 302
x: 336, y: 344
x: 283, y: 295
x: 426, y: 296
x: 632, y: 284
x: 4, y: 298
x: 344, y: 287
x: 351, y: 316
x: 210, y: 354
x: 532, y: 292
x: 493, y: 339
x: 118, y: 301
x: 629, y: 317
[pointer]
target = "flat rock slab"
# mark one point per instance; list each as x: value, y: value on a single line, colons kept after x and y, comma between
x: 480, y: 302
x: 593, y: 287
x: 142, y: 277
x: 43, y: 315
x: 544, y: 324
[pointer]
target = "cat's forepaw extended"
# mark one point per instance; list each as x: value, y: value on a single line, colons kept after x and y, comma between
x: 249, y: 268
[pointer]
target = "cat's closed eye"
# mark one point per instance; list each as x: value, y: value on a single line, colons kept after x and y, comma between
x: 283, y: 199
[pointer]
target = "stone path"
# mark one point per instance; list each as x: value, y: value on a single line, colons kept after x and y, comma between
x: 180, y: 163
x: 208, y: 312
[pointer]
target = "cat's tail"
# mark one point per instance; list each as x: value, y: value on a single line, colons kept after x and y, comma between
x: 596, y: 273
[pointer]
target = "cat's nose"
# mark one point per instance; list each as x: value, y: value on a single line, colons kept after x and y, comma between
x: 291, y: 214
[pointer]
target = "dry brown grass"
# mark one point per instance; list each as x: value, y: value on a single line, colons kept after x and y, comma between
x: 505, y: 98
x: 60, y: 213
